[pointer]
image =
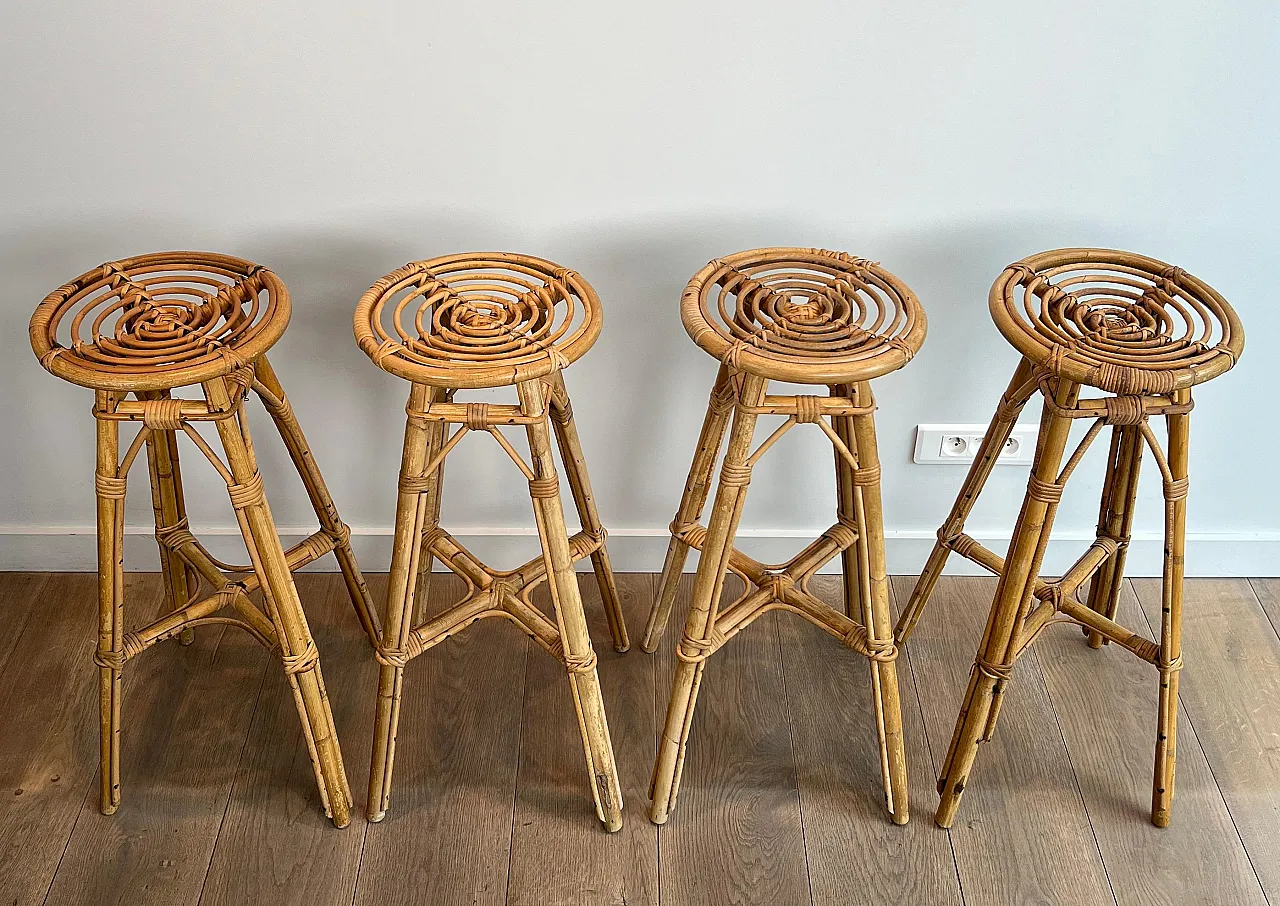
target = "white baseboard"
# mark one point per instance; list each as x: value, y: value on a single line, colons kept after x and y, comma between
x: 73, y: 549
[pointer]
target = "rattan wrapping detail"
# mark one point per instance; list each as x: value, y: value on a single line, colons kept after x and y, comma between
x: 806, y: 315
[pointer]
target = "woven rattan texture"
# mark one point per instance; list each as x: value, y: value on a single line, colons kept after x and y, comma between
x: 1121, y: 322
x: 803, y: 315
x: 477, y: 320
x: 158, y: 321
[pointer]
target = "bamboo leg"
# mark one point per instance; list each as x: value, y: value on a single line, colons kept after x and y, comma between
x: 318, y: 492
x: 1170, y: 663
x: 694, y: 498
x: 865, y: 485
x: 1011, y: 403
x: 180, y: 580
x: 575, y: 467
x: 1115, y: 520
x: 579, y: 658
x: 1013, y: 593
x: 110, y: 654
x: 301, y: 660
x: 707, y: 587
x: 411, y: 517
x: 437, y: 432
x: 846, y: 510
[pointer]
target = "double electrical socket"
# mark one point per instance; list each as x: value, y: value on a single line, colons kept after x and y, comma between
x: 960, y: 443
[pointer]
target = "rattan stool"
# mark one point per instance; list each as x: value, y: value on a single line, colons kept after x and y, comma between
x: 1145, y: 333
x: 475, y: 321
x: 804, y: 316
x: 147, y: 326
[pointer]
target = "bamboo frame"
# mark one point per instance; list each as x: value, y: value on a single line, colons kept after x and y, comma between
x: 806, y: 316
x: 1111, y: 321
x: 164, y: 321
x: 472, y: 333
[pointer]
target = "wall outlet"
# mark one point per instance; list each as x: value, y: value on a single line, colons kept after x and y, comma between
x: 959, y: 444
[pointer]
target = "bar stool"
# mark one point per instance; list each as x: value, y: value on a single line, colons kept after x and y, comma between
x: 148, y: 326
x: 805, y: 316
x: 1144, y: 333
x: 465, y: 322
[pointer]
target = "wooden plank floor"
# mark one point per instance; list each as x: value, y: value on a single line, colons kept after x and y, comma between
x: 781, y: 798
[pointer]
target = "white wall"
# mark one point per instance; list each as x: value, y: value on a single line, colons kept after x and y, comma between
x: 335, y: 141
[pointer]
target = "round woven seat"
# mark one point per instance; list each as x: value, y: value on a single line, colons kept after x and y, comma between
x: 1121, y: 322
x: 803, y: 315
x: 477, y: 320
x: 158, y: 321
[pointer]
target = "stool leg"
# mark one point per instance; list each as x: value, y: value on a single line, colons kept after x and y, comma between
x: 707, y: 587
x: 1170, y: 663
x: 170, y: 509
x: 694, y: 498
x: 301, y: 661
x: 575, y: 467
x: 277, y: 405
x: 1015, y: 397
x: 110, y: 654
x: 865, y: 484
x: 563, y: 584
x: 436, y: 436
x: 846, y: 510
x: 411, y: 518
x: 989, y: 675
x: 1115, y: 520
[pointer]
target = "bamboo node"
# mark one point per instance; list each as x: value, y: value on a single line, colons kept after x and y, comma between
x: 163, y: 414
x: 109, y: 486
x: 1176, y: 490
x: 808, y: 409
x: 1125, y: 410
x: 301, y: 662
x: 248, y: 494
x: 1044, y: 491
x: 545, y: 486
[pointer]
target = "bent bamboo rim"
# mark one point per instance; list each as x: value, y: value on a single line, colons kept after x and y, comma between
x: 809, y: 316
x: 162, y: 320
x: 477, y: 319
x: 1116, y: 320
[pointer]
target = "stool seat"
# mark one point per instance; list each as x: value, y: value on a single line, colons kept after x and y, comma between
x: 477, y: 320
x: 1117, y: 321
x: 159, y: 321
x: 808, y: 316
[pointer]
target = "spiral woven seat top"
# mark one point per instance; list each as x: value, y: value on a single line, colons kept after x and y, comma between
x: 803, y: 315
x: 158, y: 321
x: 1121, y: 322
x: 477, y: 320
